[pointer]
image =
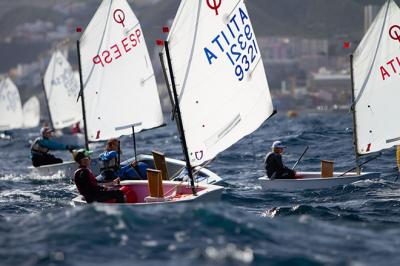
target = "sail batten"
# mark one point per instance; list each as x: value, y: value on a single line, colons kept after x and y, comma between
x: 119, y: 83
x: 376, y: 78
x: 221, y: 82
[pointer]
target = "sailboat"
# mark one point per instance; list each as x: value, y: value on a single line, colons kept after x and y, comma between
x: 11, y: 115
x: 119, y: 91
x: 61, y: 89
x: 375, y: 68
x: 213, y: 66
x: 31, y: 113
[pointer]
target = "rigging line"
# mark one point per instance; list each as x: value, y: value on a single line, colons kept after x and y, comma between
x: 367, y: 161
x: 173, y: 188
x: 373, y: 61
x: 202, y: 166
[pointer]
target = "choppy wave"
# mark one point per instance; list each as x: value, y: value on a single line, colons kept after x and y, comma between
x: 357, y: 224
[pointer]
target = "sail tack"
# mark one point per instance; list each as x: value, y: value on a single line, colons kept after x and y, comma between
x: 376, y: 74
x: 11, y: 116
x: 118, y: 78
x: 31, y: 111
x: 220, y: 76
x: 62, y: 89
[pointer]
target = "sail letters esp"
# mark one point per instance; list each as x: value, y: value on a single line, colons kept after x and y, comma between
x: 119, y: 49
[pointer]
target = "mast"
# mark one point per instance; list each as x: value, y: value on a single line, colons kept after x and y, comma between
x: 47, y: 104
x: 179, y: 120
x: 82, y: 95
x: 353, y: 110
x: 167, y: 83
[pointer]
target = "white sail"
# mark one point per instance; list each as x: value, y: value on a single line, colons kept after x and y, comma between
x: 10, y: 106
x: 31, y: 111
x: 119, y: 84
x: 62, y: 89
x: 219, y: 73
x: 376, y: 71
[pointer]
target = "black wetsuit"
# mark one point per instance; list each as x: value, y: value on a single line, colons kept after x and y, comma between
x: 275, y: 168
x: 40, y: 152
x: 87, y: 185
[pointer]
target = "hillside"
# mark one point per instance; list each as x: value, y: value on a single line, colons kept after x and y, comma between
x: 312, y: 18
x: 305, y: 18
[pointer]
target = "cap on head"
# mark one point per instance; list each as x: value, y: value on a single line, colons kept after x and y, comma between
x: 80, y: 154
x: 278, y: 144
x: 45, y: 130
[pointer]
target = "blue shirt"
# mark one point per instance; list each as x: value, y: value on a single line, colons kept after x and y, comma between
x: 52, y: 145
x: 108, y: 155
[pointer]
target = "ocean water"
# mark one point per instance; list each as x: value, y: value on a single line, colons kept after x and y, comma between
x: 357, y: 224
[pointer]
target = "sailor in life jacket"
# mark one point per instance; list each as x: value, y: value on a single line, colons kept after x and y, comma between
x: 273, y: 163
x: 111, y: 167
x: 40, y: 149
x: 87, y: 186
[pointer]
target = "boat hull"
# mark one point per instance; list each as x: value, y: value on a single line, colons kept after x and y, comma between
x: 313, y: 180
x: 175, y: 192
x: 4, y: 136
x: 67, y: 169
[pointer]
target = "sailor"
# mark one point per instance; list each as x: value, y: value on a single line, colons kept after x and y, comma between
x: 111, y: 167
x: 274, y: 165
x: 40, y: 149
x: 87, y: 185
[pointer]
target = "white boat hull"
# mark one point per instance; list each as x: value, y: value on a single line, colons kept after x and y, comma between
x: 313, y: 180
x: 175, y: 192
x: 67, y: 169
x: 4, y: 136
